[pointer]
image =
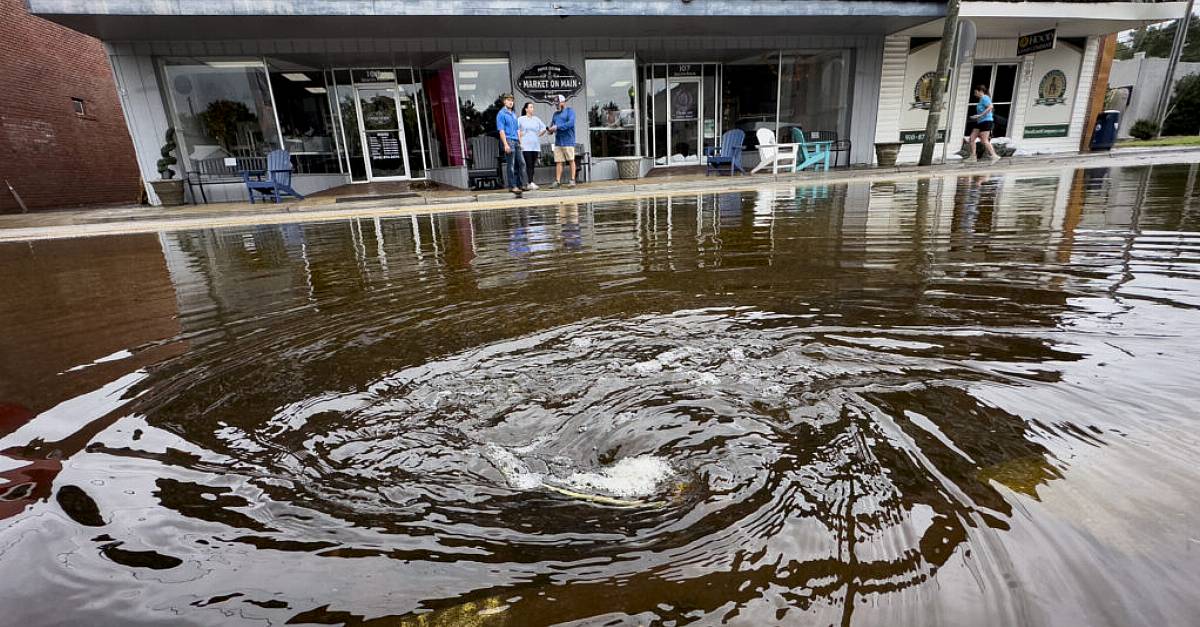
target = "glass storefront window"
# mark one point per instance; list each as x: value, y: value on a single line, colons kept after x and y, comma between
x: 480, y: 83
x: 612, y: 106
x: 305, y: 119
x: 220, y: 109
x: 347, y: 108
x: 813, y: 92
x: 410, y: 117
x: 750, y: 95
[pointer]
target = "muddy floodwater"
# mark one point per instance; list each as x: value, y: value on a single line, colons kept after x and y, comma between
x: 958, y: 401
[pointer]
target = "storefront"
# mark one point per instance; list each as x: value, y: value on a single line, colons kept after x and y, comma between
x: 410, y: 91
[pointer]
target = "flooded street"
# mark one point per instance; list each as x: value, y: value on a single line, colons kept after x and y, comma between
x: 949, y: 401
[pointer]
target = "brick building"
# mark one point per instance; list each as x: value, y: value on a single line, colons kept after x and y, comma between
x: 63, y: 138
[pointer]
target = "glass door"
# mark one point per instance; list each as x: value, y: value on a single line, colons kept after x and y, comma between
x: 380, y: 108
x: 684, y: 112
x: 1001, y: 81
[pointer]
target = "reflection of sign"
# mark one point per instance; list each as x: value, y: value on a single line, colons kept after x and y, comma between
x: 547, y: 81
x: 918, y: 137
x: 1053, y: 89
x: 685, y: 100
x: 1036, y: 42
x: 683, y: 69
x: 1046, y: 130
x: 923, y: 91
x: 383, y: 145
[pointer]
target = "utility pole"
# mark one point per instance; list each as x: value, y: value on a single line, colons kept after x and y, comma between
x: 1164, y: 96
x: 949, y: 30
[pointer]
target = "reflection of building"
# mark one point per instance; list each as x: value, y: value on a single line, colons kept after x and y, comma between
x: 81, y: 319
x: 407, y: 93
x: 63, y: 141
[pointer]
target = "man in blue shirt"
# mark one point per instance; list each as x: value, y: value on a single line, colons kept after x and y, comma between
x: 506, y: 124
x: 563, y: 127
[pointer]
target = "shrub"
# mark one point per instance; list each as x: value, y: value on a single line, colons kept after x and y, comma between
x: 168, y: 160
x: 1143, y: 129
x: 1184, y: 118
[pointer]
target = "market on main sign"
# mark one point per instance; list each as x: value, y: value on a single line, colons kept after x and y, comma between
x: 545, y: 82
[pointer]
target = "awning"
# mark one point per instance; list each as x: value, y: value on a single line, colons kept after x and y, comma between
x: 1072, y: 19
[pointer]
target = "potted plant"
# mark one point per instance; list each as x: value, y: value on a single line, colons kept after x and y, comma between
x: 169, y: 189
x: 611, y: 114
x: 886, y: 153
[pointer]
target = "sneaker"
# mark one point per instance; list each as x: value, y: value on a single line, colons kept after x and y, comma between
x: 970, y: 159
x: 571, y: 184
x: 555, y: 185
x: 994, y: 158
x: 533, y: 186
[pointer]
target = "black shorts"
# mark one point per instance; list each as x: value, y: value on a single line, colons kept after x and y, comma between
x: 985, y: 127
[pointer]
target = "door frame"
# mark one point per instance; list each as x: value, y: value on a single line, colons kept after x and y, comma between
x: 394, y: 87
x: 699, y: 121
x: 646, y: 70
x: 1012, y: 105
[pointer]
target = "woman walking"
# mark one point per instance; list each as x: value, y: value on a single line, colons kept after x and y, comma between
x: 530, y: 130
x: 984, y: 122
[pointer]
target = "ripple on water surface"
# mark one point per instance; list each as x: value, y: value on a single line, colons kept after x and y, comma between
x: 959, y: 401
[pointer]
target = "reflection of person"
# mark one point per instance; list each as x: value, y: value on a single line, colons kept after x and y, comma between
x: 984, y: 122
x: 563, y: 127
x: 530, y: 129
x: 506, y: 125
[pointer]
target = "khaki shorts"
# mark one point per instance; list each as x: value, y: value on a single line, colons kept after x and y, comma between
x: 564, y: 153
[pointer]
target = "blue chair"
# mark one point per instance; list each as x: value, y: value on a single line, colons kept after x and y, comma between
x: 275, y: 180
x: 728, y: 152
x: 811, y: 153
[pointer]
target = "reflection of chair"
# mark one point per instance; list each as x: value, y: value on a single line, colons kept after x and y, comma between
x: 772, y: 154
x: 273, y: 181
x: 729, y: 151
x: 814, y: 153
x: 485, y: 163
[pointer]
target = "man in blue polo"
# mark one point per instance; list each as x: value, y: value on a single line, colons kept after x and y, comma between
x: 563, y: 127
x: 506, y: 125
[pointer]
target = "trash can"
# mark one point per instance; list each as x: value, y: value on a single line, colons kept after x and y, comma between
x: 1105, y: 134
x: 629, y: 167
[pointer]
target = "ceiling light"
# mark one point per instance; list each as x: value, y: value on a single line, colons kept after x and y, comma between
x: 468, y: 74
x: 467, y: 87
x: 298, y: 77
x: 233, y: 63
x: 622, y: 83
x: 315, y: 90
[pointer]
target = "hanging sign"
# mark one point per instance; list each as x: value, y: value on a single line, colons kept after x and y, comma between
x: 545, y: 82
x: 1036, y: 42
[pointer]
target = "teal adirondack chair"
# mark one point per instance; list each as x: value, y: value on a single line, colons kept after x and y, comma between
x: 275, y: 180
x: 811, y: 153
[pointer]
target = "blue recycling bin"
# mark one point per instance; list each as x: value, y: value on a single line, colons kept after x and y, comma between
x: 1105, y: 134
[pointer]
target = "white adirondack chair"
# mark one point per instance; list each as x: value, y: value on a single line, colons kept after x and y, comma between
x: 774, y: 154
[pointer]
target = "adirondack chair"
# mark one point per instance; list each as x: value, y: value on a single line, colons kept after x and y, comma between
x: 275, y: 180
x: 813, y: 153
x: 772, y: 154
x: 728, y: 152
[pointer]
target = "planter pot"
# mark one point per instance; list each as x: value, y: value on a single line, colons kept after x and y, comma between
x: 629, y: 167
x: 170, y: 191
x: 886, y: 153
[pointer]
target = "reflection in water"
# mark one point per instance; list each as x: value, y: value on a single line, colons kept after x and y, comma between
x: 953, y: 400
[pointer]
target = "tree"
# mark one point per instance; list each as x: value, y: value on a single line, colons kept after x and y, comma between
x: 1184, y: 118
x: 1156, y: 41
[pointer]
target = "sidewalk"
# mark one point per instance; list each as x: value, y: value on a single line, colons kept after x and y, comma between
x: 144, y: 219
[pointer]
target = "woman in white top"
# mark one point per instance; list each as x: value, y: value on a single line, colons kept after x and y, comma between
x: 529, y: 131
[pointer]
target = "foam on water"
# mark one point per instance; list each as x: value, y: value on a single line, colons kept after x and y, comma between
x: 632, y: 477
